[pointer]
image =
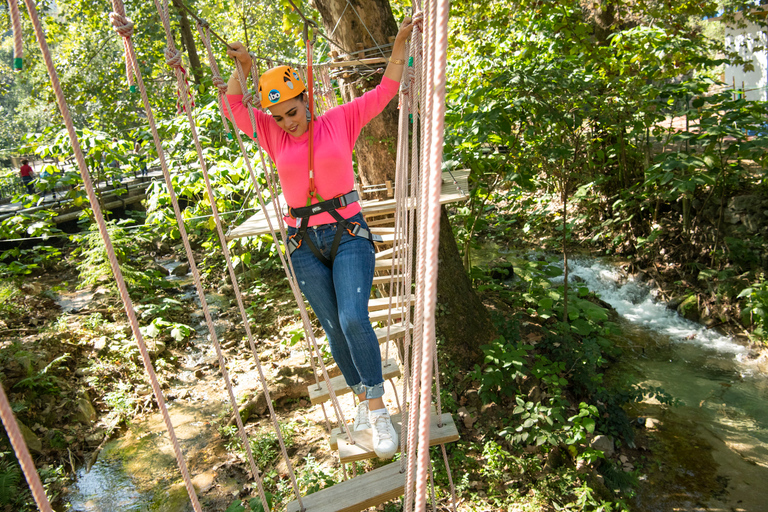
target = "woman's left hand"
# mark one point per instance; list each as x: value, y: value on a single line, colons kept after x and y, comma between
x: 406, y: 27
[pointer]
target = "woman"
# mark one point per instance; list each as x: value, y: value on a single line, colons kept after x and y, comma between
x: 330, y: 245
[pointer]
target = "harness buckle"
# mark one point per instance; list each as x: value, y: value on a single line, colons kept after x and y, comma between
x: 293, y: 245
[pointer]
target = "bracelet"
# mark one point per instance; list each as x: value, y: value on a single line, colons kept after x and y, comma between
x: 397, y: 61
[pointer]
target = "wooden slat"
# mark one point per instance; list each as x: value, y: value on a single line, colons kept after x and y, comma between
x: 449, y: 193
x: 363, y: 447
x: 364, y: 491
x: 386, y: 264
x: 381, y: 315
x: 396, y: 331
x: 385, y: 278
x: 336, y: 432
x: 319, y: 394
x: 383, y: 303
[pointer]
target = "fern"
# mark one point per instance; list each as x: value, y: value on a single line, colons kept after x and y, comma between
x: 10, y: 477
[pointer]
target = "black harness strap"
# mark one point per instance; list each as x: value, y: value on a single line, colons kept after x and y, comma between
x: 330, y: 206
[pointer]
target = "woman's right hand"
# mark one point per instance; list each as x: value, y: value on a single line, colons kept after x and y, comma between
x: 238, y: 51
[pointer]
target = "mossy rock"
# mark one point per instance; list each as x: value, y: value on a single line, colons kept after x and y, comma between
x: 689, y: 308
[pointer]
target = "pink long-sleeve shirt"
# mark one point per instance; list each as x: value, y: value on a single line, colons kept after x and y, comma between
x: 335, y: 134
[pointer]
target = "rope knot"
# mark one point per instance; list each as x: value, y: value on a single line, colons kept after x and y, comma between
x: 408, y: 81
x: 173, y: 57
x: 247, y: 99
x: 220, y: 83
x: 122, y: 25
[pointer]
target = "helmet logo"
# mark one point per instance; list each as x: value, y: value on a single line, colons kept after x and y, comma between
x: 274, y: 96
x: 295, y: 76
x: 289, y: 85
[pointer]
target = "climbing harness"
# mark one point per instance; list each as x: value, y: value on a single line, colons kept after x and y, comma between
x: 331, y: 206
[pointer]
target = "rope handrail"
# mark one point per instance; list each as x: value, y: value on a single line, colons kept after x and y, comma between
x: 122, y: 288
x: 116, y: 19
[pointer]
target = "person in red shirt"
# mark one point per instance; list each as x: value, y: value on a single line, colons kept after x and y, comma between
x: 27, y: 175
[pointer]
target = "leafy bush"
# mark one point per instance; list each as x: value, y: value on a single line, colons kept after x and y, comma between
x: 756, y: 304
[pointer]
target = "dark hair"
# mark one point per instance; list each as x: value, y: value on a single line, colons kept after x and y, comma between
x: 24, y: 162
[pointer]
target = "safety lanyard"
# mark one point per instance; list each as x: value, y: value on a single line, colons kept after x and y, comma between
x: 310, y: 90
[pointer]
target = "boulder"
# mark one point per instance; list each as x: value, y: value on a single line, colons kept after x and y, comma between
x: 746, y: 203
x: 466, y: 417
x: 181, y: 270
x: 689, y: 308
x: 30, y: 438
x: 604, y: 444
x: 84, y: 411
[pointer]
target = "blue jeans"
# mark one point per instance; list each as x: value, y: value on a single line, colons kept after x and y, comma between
x: 339, y: 297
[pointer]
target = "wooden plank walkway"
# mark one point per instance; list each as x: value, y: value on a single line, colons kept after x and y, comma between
x: 449, y: 193
x: 362, y: 449
x: 319, y: 393
x: 364, y: 491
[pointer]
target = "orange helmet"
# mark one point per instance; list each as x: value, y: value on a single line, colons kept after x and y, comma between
x: 278, y: 85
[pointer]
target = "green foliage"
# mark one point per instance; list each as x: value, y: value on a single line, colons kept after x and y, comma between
x: 10, y: 479
x: 314, y: 477
x: 44, y: 381
x: 93, y: 262
x: 504, y: 363
x: 121, y: 401
x: 756, y: 305
x: 264, y: 443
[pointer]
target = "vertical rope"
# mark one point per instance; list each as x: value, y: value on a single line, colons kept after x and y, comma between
x: 22, y: 453
x: 87, y: 182
x: 418, y: 331
x: 18, y: 36
x: 439, y: 44
x: 410, y: 212
x: 450, y: 477
x: 124, y: 27
x: 173, y: 57
x: 120, y: 21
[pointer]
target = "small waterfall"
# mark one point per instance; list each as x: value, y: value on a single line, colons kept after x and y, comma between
x: 636, y: 303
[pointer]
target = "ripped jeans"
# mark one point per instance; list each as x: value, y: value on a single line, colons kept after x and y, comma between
x: 339, y: 298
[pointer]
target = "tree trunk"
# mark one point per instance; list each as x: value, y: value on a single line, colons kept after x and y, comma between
x: 376, y: 146
x: 465, y: 324
x: 188, y: 40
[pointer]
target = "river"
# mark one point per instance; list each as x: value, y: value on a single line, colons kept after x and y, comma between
x: 709, y: 452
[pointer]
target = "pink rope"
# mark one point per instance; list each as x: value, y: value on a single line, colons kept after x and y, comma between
x: 18, y: 41
x: 118, y: 19
x: 172, y: 55
x: 439, y: 44
x: 22, y: 453
x: 128, y: 304
x: 124, y: 28
x: 418, y: 332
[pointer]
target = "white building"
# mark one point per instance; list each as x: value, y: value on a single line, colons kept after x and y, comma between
x: 745, y: 40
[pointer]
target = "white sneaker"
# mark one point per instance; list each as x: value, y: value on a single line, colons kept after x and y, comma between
x: 361, y: 417
x: 384, y: 436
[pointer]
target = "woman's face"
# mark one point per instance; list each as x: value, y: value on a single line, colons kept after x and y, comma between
x: 291, y: 116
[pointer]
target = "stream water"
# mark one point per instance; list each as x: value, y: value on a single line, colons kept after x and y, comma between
x: 710, y: 450
x: 138, y: 471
